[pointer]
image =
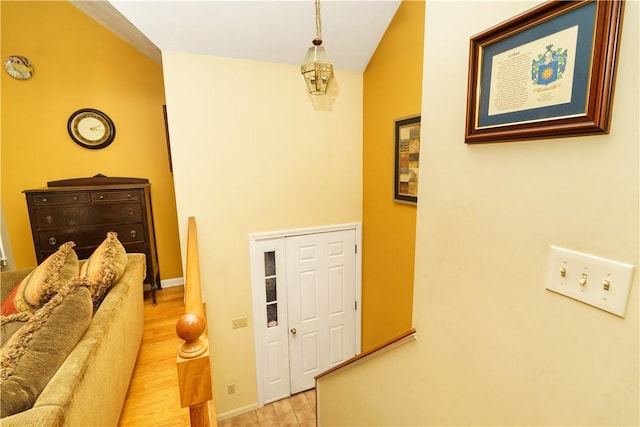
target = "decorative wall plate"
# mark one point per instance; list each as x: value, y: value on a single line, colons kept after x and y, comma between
x: 18, y: 67
x: 91, y: 128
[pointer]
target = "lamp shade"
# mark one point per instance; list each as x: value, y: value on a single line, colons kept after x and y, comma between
x: 317, y: 69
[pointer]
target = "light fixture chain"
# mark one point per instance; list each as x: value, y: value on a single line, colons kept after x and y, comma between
x: 318, y: 23
x: 317, y: 69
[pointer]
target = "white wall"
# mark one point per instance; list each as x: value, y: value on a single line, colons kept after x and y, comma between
x: 495, y: 341
x: 494, y: 347
x: 252, y: 152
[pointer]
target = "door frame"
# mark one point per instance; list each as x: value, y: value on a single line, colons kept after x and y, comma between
x: 257, y: 288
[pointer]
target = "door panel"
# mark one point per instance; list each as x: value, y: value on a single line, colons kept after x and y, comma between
x: 274, y: 372
x: 336, y: 338
x: 308, y: 301
x: 310, y: 352
x: 336, y: 290
x: 321, y: 303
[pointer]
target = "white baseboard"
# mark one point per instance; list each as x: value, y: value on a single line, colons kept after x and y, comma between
x: 237, y: 411
x: 170, y: 283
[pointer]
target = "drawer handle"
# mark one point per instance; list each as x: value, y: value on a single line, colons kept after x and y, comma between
x: 44, y: 199
x: 52, y: 241
x: 75, y: 198
x: 49, y: 219
x: 133, y: 233
x: 130, y: 212
x: 129, y: 195
x: 101, y: 197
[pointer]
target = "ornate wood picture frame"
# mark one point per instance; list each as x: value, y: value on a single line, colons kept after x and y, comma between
x: 548, y: 72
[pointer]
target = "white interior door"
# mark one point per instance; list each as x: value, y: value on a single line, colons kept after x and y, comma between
x: 321, y: 304
x: 306, y: 289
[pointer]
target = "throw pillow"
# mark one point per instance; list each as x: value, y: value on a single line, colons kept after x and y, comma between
x: 31, y: 357
x: 8, y: 306
x: 43, y: 282
x: 105, y: 266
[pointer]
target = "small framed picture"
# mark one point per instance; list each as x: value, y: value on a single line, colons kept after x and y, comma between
x: 407, y: 160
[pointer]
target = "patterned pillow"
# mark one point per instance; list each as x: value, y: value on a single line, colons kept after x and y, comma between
x: 105, y: 266
x: 43, y: 282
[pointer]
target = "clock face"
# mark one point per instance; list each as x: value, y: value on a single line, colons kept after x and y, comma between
x: 91, y: 128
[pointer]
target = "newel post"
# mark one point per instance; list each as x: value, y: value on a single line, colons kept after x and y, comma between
x: 194, y: 369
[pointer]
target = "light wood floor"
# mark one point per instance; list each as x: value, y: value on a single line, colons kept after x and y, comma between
x: 153, y: 398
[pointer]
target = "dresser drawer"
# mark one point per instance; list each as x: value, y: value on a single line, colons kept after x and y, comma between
x: 114, y: 196
x: 52, y: 199
x: 90, y: 236
x: 69, y: 216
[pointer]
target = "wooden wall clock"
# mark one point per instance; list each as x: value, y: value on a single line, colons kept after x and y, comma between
x: 91, y: 128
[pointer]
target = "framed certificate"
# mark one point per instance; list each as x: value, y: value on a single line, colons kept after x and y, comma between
x: 548, y: 72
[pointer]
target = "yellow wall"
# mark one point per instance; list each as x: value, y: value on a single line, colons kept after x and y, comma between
x: 253, y: 152
x: 494, y: 347
x: 79, y: 64
x: 392, y: 90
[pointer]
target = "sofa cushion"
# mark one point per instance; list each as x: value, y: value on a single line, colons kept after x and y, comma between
x: 43, y: 282
x: 31, y: 357
x: 105, y: 266
x: 10, y: 328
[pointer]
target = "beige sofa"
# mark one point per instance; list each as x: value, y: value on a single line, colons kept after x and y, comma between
x: 90, y: 386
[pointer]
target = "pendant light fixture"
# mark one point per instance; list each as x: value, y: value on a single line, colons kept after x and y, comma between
x: 317, y: 69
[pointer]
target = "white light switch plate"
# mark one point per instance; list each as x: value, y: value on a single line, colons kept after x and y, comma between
x: 587, y: 277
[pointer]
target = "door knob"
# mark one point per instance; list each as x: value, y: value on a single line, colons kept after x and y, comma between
x: 294, y: 331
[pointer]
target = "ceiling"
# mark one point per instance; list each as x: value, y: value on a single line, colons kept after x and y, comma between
x: 264, y: 30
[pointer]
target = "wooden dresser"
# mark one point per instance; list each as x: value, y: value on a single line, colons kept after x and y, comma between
x: 83, y: 210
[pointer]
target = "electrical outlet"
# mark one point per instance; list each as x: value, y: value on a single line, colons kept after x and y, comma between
x: 240, y: 322
x: 231, y: 388
x: 596, y: 281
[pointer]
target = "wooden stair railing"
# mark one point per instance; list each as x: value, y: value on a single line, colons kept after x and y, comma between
x: 194, y: 370
x: 372, y: 352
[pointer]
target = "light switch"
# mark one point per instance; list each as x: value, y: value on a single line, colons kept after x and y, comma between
x: 593, y: 280
x: 240, y: 322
